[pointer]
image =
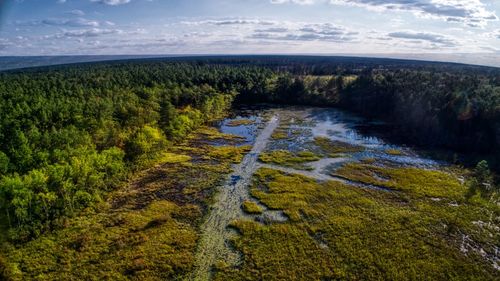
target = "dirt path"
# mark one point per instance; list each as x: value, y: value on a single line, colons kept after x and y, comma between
x: 227, y: 208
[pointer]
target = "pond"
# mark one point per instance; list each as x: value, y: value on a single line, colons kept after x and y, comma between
x: 300, y: 129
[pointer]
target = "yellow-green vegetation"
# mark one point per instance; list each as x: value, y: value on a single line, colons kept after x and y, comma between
x: 332, y: 147
x: 211, y: 133
x: 240, y: 122
x: 418, y: 182
x: 155, y: 243
x: 232, y: 153
x: 168, y: 157
x: 341, y: 232
x: 146, y: 230
x: 251, y: 207
x: 395, y: 152
x: 288, y: 159
x: 279, y: 135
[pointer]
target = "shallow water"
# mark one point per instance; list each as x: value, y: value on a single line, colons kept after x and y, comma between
x: 303, y: 124
x: 247, y: 132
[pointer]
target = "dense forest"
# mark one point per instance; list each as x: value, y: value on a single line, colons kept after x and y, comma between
x: 70, y: 134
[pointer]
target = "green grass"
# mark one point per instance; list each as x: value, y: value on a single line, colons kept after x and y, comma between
x: 331, y: 147
x: 288, y: 159
x: 251, y: 207
x: 341, y: 232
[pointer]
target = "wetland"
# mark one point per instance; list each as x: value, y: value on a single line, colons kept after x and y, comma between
x: 334, y: 202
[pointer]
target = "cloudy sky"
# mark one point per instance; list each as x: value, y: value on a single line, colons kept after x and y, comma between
x: 63, y: 27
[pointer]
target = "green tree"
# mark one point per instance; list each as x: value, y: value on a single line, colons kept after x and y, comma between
x: 4, y: 163
x: 482, y: 181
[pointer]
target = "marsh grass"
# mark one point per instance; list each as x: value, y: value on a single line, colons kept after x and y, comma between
x: 240, y: 122
x: 168, y: 157
x: 289, y: 159
x: 211, y: 134
x: 394, y: 152
x: 341, y: 232
x: 332, y: 147
x: 280, y: 135
x: 251, y: 207
x: 418, y: 182
x: 146, y: 244
x: 232, y: 153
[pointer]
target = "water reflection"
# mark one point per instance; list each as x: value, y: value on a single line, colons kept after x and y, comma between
x: 303, y: 124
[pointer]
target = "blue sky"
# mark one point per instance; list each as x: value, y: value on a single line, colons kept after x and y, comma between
x: 72, y: 27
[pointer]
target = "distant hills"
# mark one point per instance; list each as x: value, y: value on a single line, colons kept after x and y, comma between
x: 17, y: 62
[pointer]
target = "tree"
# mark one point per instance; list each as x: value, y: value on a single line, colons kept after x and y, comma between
x: 4, y: 163
x: 482, y: 181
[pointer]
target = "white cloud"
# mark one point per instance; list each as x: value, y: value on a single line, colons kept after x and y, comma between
x: 496, y: 34
x: 433, y: 38
x: 470, y: 12
x: 76, y: 12
x: 82, y: 33
x: 325, y: 32
x: 300, y: 2
x: 75, y: 22
x: 230, y: 21
x: 111, y: 2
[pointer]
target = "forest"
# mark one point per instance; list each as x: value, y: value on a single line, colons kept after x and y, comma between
x: 71, y: 134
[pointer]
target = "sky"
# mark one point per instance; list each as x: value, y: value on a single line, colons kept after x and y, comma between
x: 113, y: 27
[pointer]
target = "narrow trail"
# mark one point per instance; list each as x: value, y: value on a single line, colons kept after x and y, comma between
x: 227, y: 208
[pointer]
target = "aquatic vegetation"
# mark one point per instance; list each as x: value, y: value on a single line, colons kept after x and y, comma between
x: 251, y: 207
x: 342, y: 232
x: 240, y: 122
x: 213, y: 134
x: 333, y: 147
x: 418, y: 182
x: 395, y: 152
x: 279, y: 135
x: 288, y: 159
x: 232, y: 153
